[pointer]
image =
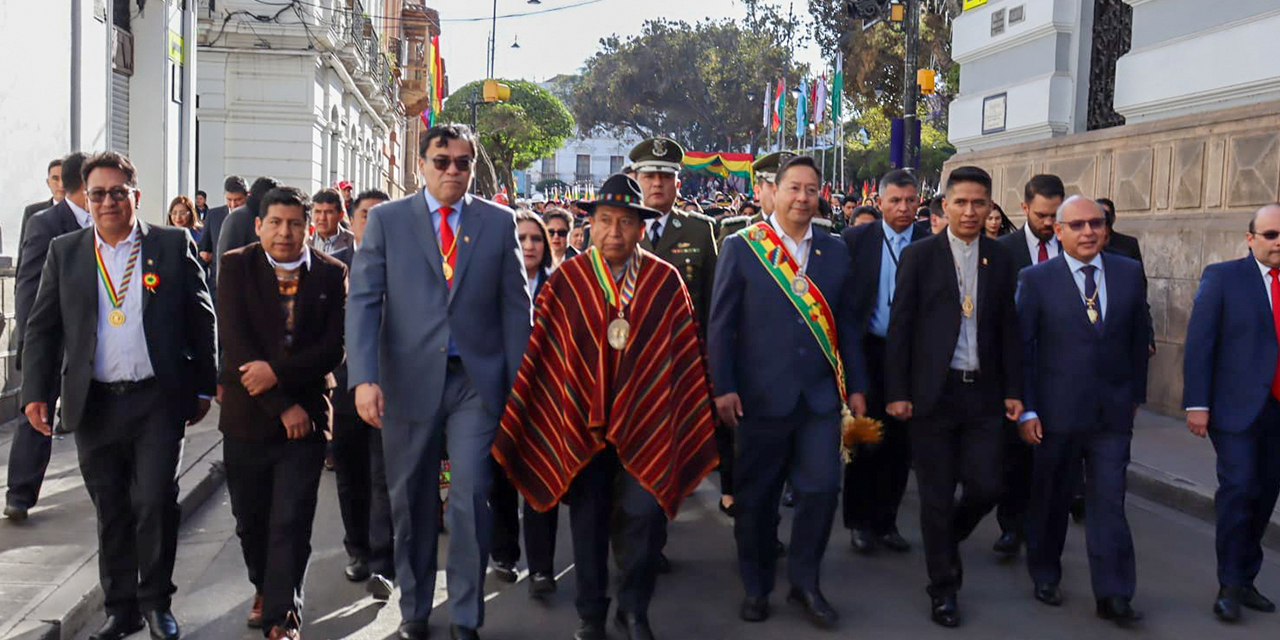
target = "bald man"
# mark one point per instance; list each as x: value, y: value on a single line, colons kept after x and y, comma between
x: 1084, y: 330
x: 1231, y: 378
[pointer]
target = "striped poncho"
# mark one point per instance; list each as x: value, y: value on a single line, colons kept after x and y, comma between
x: 575, y: 395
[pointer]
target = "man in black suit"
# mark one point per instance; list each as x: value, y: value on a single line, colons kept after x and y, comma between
x: 876, y: 478
x: 1032, y: 244
x: 53, y: 179
x: 952, y: 369
x: 29, y: 451
x: 127, y: 303
x: 234, y: 191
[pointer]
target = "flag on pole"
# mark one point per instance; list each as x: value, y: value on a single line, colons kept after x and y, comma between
x: 837, y: 87
x: 820, y: 100
x: 779, y: 105
x: 768, y: 106
x: 437, y: 79
x: 802, y: 115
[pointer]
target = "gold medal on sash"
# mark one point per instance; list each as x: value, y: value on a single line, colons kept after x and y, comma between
x: 800, y: 285
x: 619, y: 331
x: 116, y: 317
x: 967, y: 306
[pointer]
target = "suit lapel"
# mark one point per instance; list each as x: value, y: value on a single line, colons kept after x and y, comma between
x: 1078, y: 308
x: 1249, y: 272
x: 951, y: 285
x: 147, y: 261
x: 670, y: 234
x: 984, y: 284
x: 426, y: 235
x: 84, y: 277
x: 470, y: 226
x: 875, y: 256
x: 267, y: 291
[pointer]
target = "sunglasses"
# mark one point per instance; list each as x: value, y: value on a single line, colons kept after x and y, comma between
x: 1269, y: 235
x: 1094, y: 223
x: 461, y: 163
x: 118, y: 194
x: 558, y: 233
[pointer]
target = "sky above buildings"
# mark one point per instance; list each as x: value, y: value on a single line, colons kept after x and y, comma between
x: 556, y: 42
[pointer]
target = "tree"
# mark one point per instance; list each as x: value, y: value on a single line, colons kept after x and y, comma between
x: 528, y: 127
x: 702, y: 84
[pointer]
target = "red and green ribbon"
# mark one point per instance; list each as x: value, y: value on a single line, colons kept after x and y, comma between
x: 117, y: 296
x: 616, y: 297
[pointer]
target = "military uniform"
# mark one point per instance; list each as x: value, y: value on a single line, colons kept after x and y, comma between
x: 766, y: 170
x: 686, y: 240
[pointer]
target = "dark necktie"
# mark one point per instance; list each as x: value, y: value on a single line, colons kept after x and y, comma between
x: 1044, y: 253
x: 655, y: 234
x: 1091, y: 293
x: 1275, y: 315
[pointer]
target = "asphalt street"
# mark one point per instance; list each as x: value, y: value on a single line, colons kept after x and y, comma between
x: 880, y: 596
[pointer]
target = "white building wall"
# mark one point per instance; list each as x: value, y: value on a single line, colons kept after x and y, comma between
x: 601, y: 151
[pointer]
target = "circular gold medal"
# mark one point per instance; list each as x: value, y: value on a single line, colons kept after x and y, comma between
x: 448, y: 271
x: 799, y: 285
x: 116, y: 317
x: 619, y: 330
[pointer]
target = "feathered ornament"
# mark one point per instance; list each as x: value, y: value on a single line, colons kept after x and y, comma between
x: 857, y: 430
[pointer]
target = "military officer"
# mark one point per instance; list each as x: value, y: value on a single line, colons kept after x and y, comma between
x: 766, y: 169
x: 685, y: 240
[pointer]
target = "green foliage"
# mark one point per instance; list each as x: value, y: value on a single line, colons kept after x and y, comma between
x: 532, y: 125
x: 702, y: 84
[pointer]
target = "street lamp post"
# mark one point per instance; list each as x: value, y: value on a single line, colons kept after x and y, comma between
x: 909, y: 141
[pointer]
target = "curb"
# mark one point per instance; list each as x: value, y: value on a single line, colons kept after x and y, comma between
x: 1186, y: 496
x: 84, y: 586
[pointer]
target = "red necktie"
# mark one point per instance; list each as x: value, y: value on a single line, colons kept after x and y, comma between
x: 448, y: 245
x: 1044, y: 253
x: 1275, y: 315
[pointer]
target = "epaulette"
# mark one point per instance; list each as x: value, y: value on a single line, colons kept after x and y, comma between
x: 823, y: 222
x: 701, y: 216
x: 734, y: 220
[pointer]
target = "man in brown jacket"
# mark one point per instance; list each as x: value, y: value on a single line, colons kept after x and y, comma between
x: 280, y: 317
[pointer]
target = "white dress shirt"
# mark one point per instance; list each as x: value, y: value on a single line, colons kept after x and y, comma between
x: 303, y: 261
x: 798, y: 250
x: 1266, y: 286
x: 1033, y: 245
x: 965, y: 255
x: 121, y: 354
x: 82, y: 216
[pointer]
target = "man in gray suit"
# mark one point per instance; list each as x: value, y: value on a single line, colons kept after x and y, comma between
x: 438, y: 316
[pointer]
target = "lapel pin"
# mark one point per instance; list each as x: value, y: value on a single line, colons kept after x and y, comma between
x: 150, y: 261
x: 675, y: 222
x: 984, y: 262
x: 818, y: 251
x: 466, y: 238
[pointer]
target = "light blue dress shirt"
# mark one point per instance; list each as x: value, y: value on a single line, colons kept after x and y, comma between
x: 455, y: 217
x: 1077, y: 273
x: 888, y: 275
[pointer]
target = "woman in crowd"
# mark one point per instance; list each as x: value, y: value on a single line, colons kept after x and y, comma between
x: 997, y: 223
x: 559, y: 225
x: 182, y: 213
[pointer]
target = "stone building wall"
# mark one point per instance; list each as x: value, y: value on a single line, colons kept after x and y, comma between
x: 1186, y: 187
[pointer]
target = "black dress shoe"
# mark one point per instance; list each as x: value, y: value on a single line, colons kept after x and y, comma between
x: 459, y: 632
x: 15, y: 512
x: 590, y: 630
x: 1118, y: 610
x: 664, y: 565
x: 380, y: 587
x: 946, y: 611
x: 162, y: 624
x: 504, y: 571
x: 1077, y: 509
x: 632, y: 626
x: 754, y: 609
x: 1250, y: 598
x: 541, y: 585
x: 357, y: 570
x: 815, y: 606
x: 1227, y: 606
x: 894, y: 541
x: 118, y: 626
x: 1049, y: 594
x: 412, y: 630
x: 1008, y: 545
x: 862, y: 541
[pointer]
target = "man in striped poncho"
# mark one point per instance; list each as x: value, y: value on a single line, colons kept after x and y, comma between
x: 612, y: 407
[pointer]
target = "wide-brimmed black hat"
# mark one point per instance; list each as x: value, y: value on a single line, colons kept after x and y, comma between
x: 622, y: 191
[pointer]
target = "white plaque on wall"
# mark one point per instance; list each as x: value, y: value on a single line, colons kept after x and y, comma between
x: 993, y: 113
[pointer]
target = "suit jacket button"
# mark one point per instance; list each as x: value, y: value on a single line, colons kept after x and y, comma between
x: 442, y: 349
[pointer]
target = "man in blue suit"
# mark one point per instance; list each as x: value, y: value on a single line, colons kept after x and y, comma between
x: 438, y: 316
x: 1232, y: 393
x: 777, y: 386
x: 1083, y: 317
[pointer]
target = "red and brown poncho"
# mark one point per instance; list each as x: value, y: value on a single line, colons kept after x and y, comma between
x: 575, y: 394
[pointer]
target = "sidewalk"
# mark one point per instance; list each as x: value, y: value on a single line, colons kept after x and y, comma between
x: 48, y: 564
x: 1177, y: 469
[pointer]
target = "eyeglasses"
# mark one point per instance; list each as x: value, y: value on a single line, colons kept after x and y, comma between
x: 1094, y: 223
x: 1269, y: 235
x: 461, y: 163
x: 118, y: 194
x: 558, y: 233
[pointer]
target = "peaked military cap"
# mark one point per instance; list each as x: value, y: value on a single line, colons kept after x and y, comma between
x: 766, y: 167
x: 658, y: 154
x: 622, y: 191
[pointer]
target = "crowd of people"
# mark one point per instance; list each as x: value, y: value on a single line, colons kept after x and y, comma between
x: 608, y: 355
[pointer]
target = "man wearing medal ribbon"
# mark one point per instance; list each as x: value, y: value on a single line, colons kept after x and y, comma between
x: 612, y: 409
x: 127, y: 305
x: 786, y: 364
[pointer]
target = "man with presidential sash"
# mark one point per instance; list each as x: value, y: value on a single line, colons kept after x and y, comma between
x: 785, y: 366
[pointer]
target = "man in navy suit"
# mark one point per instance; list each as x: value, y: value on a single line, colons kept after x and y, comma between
x: 438, y: 316
x: 1232, y: 393
x: 876, y: 478
x: 777, y: 387
x: 1083, y: 317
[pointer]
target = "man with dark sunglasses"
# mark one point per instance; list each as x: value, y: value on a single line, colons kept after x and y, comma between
x: 1083, y: 317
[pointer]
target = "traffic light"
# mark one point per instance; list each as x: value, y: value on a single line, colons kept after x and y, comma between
x: 495, y: 91
x: 925, y: 78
